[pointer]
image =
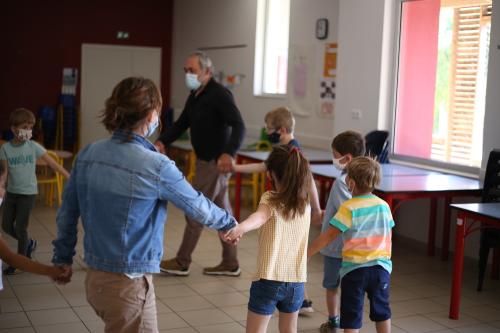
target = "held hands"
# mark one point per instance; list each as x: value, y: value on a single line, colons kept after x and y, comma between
x: 225, y: 163
x: 61, y: 274
x: 233, y: 236
x: 160, y: 146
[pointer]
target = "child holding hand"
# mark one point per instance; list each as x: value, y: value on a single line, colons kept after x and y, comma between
x: 283, y: 219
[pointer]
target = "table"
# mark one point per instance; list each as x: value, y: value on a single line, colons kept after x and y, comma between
x: 402, y: 183
x: 312, y: 154
x: 468, y: 218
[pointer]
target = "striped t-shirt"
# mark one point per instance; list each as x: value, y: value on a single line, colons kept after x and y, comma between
x: 365, y: 222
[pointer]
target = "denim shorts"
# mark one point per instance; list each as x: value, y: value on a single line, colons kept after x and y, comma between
x: 268, y: 295
x: 331, y: 275
x: 374, y: 281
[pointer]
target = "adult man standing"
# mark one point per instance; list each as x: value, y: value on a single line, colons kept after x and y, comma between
x: 217, y: 130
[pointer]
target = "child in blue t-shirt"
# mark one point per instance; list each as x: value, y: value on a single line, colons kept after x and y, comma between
x: 345, y: 146
x: 18, y: 183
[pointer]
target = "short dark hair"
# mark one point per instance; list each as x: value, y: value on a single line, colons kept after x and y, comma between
x: 349, y: 142
x: 21, y: 116
x: 365, y: 172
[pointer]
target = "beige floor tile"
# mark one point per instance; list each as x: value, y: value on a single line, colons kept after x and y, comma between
x: 187, y: 303
x: 238, y: 313
x: 482, y: 328
x: 39, y: 297
x: 174, y: 291
x: 229, y: 299
x: 10, y: 305
x: 222, y: 328
x: 411, y: 307
x: 18, y: 330
x: 483, y: 313
x: 443, y: 319
x: 417, y: 324
x: 205, y: 317
x: 63, y: 328
x: 180, y: 330
x: 52, y: 316
x: 169, y: 321
x: 13, y: 320
x: 86, y: 313
x: 94, y: 326
x: 212, y: 287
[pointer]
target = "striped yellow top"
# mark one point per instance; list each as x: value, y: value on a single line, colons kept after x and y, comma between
x: 283, y: 246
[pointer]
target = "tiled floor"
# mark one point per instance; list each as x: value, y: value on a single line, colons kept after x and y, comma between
x: 197, y: 303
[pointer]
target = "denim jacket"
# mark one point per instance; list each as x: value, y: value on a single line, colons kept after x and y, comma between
x: 120, y: 190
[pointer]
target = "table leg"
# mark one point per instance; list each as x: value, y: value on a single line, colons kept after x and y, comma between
x: 431, y: 235
x: 446, y: 229
x: 237, y: 191
x: 458, y: 266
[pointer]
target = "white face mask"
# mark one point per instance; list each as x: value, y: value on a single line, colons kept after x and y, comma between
x: 24, y: 134
x: 337, y: 164
x: 192, y: 81
x: 1, y: 201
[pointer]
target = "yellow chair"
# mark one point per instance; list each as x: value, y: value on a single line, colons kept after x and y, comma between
x: 50, y: 180
x: 257, y: 180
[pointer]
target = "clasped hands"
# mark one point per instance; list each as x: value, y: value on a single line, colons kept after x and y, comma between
x: 232, y: 236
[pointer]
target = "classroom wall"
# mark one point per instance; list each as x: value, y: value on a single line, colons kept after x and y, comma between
x: 231, y: 22
x: 39, y: 38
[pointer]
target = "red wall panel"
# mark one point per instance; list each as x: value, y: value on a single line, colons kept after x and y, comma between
x: 40, y: 38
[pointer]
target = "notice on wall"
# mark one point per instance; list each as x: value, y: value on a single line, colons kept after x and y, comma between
x: 327, y: 83
x: 302, y: 99
x: 69, y: 81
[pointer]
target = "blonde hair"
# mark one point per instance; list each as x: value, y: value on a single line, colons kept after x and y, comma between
x: 291, y: 170
x: 21, y: 116
x: 281, y: 117
x: 365, y: 172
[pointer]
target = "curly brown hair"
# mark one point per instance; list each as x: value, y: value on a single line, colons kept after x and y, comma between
x: 131, y: 101
x: 365, y: 172
x: 291, y: 170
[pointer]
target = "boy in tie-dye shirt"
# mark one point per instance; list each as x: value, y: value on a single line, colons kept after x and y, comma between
x: 364, y: 223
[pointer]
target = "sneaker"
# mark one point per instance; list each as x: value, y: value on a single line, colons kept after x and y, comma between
x: 328, y: 327
x: 172, y: 267
x: 11, y: 271
x: 222, y: 269
x: 31, y: 248
x: 306, y: 307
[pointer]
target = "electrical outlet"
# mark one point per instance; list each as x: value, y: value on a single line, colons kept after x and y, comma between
x: 356, y: 114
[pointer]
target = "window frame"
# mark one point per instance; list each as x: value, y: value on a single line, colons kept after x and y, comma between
x: 469, y: 171
x: 262, y: 20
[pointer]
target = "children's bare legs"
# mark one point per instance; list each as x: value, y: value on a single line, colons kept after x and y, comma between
x: 257, y: 323
x: 288, y: 322
x: 333, y: 302
x: 381, y: 326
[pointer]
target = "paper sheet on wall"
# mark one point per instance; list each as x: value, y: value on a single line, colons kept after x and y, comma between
x: 328, y: 83
x: 302, y: 99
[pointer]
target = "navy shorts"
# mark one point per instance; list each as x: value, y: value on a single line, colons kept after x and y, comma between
x: 267, y: 295
x: 375, y: 282
x: 331, y: 275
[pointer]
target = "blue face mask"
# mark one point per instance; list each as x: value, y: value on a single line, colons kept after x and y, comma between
x: 192, y: 81
x: 274, y: 137
x: 152, y: 127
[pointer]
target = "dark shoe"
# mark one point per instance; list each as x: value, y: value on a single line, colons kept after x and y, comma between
x: 306, y: 307
x: 222, y: 269
x: 328, y: 327
x: 11, y: 271
x: 31, y: 248
x: 172, y: 267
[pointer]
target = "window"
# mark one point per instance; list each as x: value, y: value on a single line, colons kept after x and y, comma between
x: 271, y: 47
x: 443, y: 62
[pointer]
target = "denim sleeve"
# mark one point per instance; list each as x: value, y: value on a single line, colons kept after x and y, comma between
x: 175, y: 188
x: 67, y: 221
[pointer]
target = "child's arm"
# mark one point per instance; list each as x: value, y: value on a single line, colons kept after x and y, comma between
x: 322, y: 240
x: 3, y: 177
x: 249, y: 168
x: 28, y: 265
x: 54, y: 165
x: 254, y: 221
x: 316, y: 211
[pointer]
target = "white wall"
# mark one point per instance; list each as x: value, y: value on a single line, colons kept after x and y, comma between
x: 365, y: 31
x: 228, y: 22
